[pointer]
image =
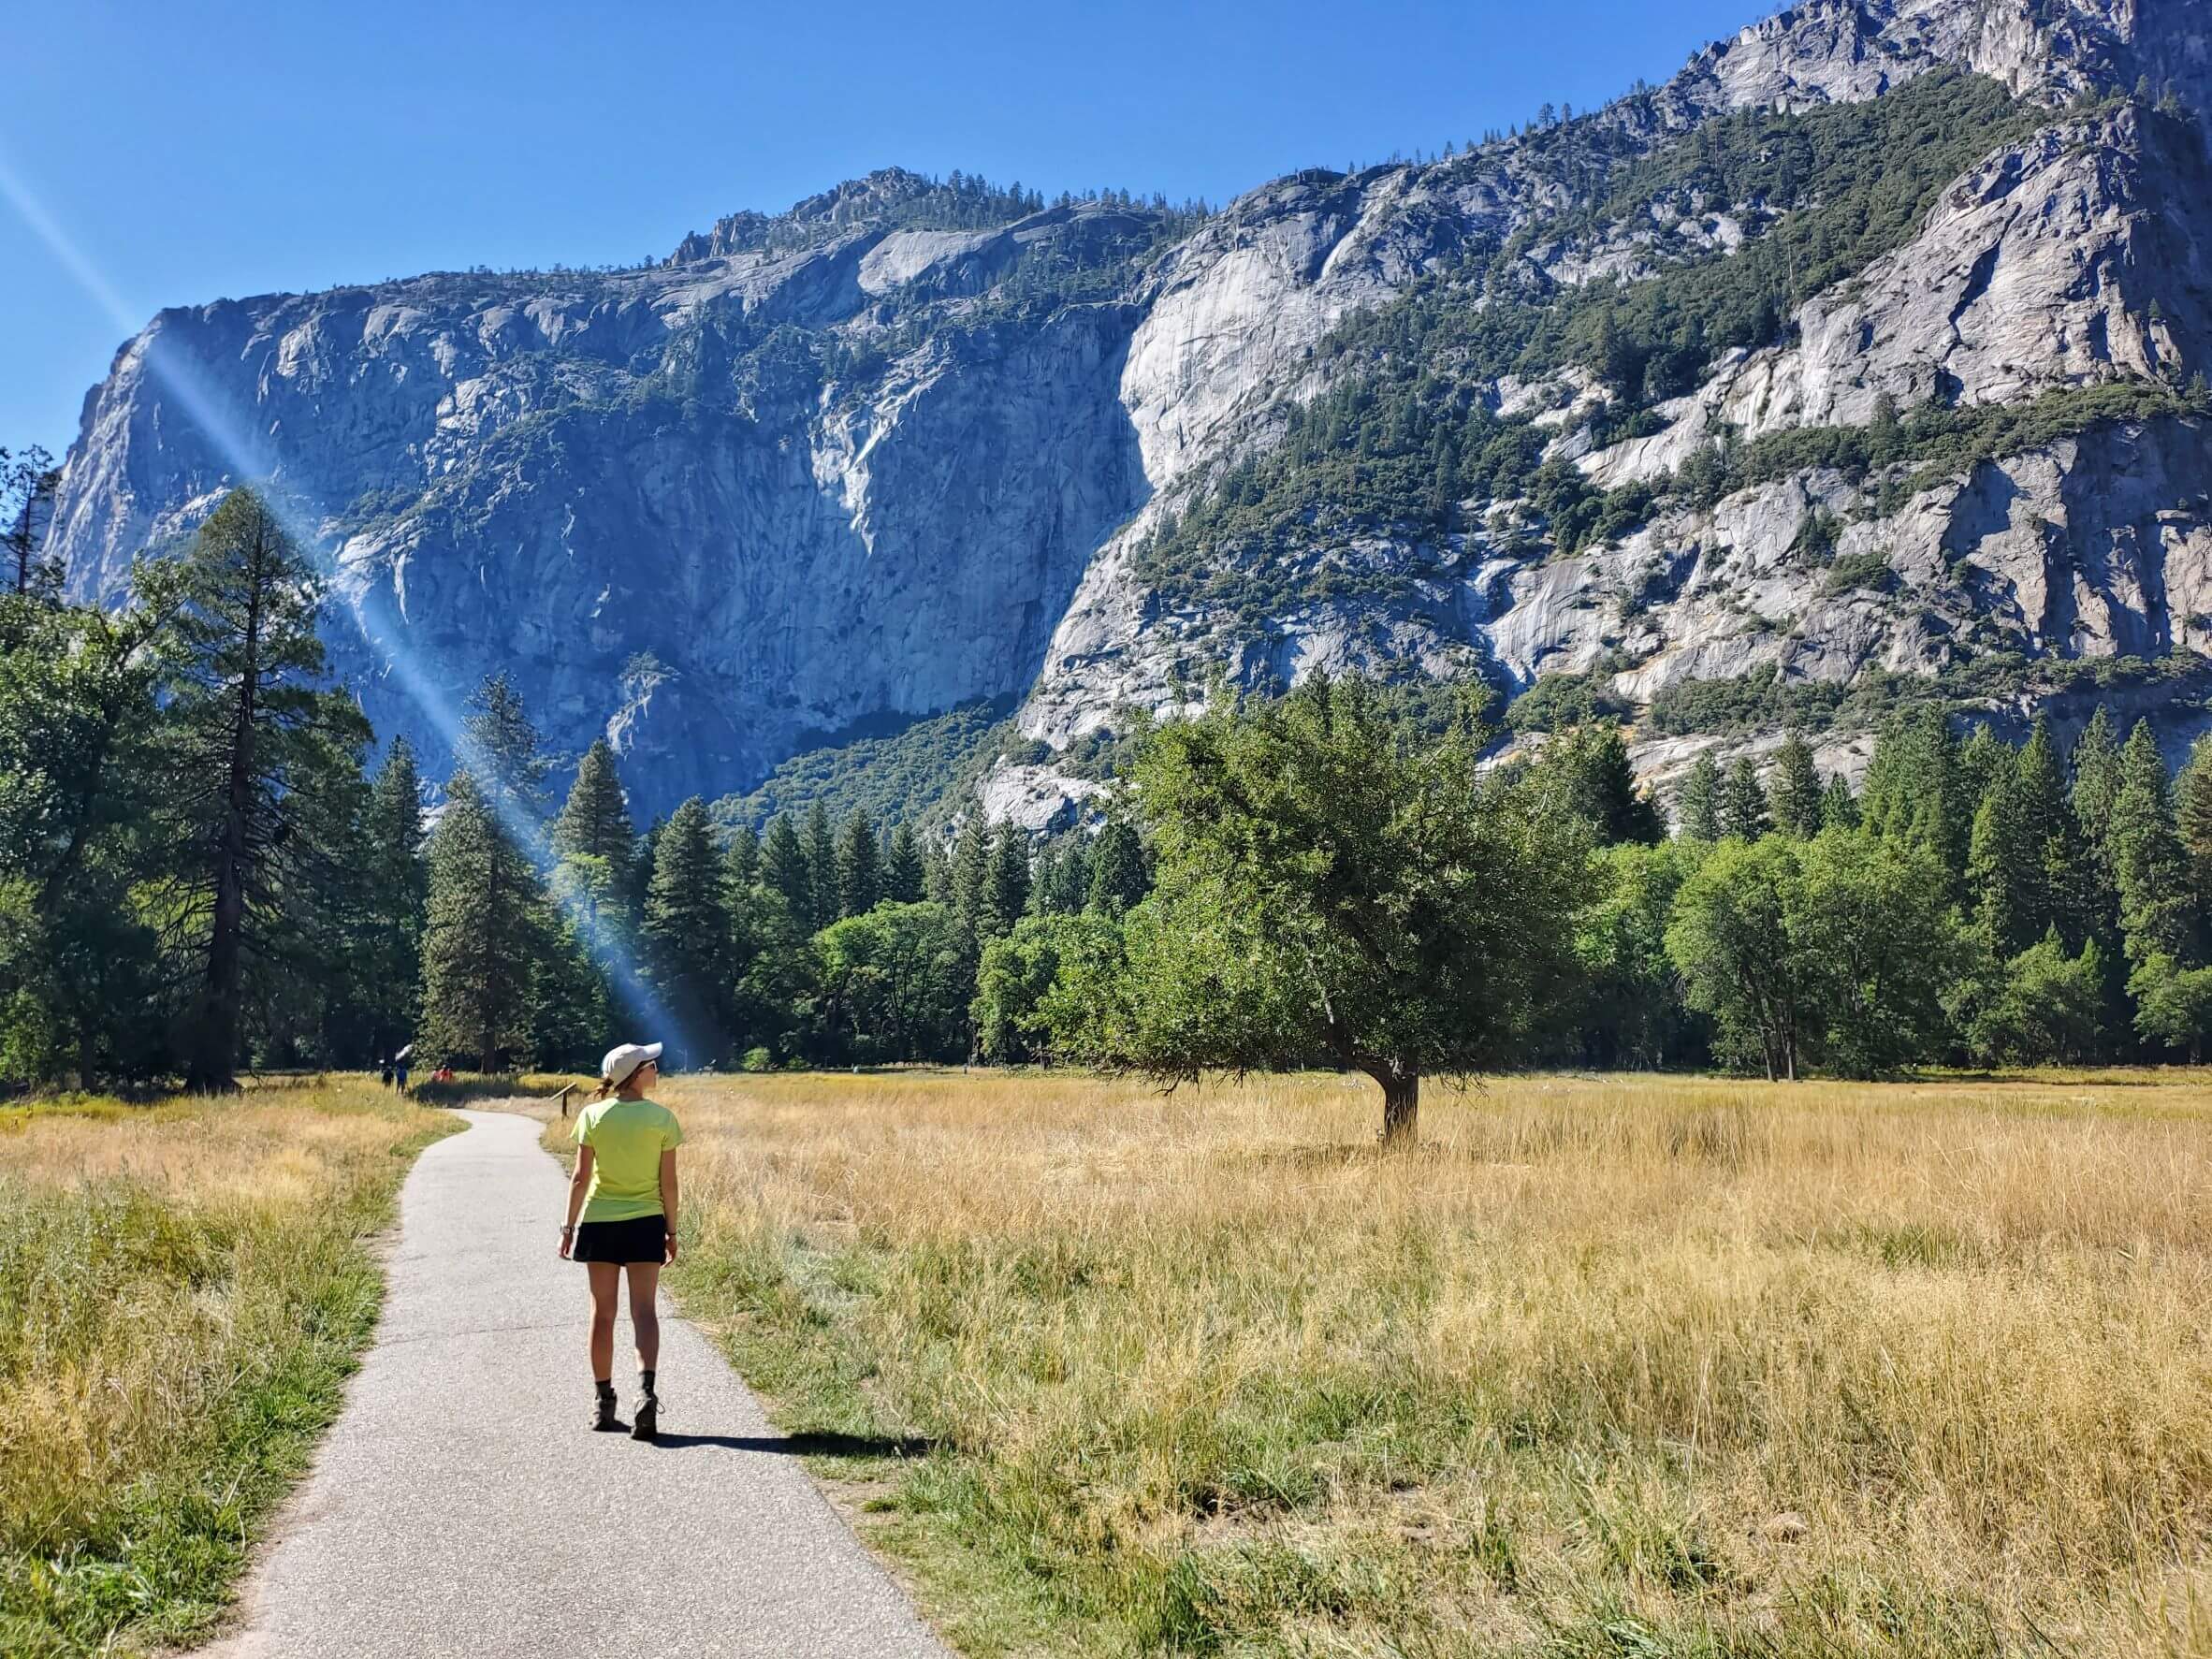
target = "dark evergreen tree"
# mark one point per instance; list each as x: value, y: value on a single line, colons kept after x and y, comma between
x: 480, y: 938
x: 686, y: 933
x: 1743, y: 802
x: 1838, y: 806
x: 1981, y: 758
x: 2192, y: 814
x: 1797, y: 792
x: 595, y: 848
x: 1062, y: 875
x: 1586, y: 771
x: 641, y: 867
x: 2061, y: 884
x: 2003, y: 874
x: 571, y: 1008
x: 595, y: 819
x: 485, y: 939
x: 936, y: 873
x: 1007, y: 899
x: 903, y: 877
x: 2097, y: 785
x: 970, y: 878
x: 821, y: 843
x: 29, y: 483
x: 254, y: 747
x: 860, y: 871
x: 1698, y: 809
x: 741, y: 859
x: 784, y: 872
x: 396, y: 900
x: 1915, y: 790
x: 500, y: 748
x: 2157, y: 910
x: 1119, y: 876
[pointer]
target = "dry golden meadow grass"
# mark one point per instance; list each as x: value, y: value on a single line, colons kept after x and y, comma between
x: 1611, y: 1366
x: 182, y: 1291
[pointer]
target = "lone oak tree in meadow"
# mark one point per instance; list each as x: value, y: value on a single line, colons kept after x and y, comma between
x: 1333, y: 885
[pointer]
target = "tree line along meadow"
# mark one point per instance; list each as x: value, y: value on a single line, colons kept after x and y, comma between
x: 200, y: 873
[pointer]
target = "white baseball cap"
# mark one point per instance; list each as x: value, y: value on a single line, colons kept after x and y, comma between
x: 623, y: 1060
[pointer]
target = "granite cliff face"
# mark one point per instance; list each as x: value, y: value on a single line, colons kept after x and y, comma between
x: 912, y: 443
x: 702, y: 506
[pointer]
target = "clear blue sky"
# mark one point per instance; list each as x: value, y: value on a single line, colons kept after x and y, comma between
x: 231, y: 147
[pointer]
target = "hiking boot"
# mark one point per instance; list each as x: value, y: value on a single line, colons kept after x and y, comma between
x: 647, y: 1426
x: 602, y: 1413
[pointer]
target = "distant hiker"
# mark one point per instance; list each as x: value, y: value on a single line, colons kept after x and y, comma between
x: 624, y: 1193
x: 400, y: 1071
x: 384, y: 1076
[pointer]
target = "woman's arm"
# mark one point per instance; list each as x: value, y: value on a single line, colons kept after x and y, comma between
x: 668, y: 1197
x: 579, y: 1185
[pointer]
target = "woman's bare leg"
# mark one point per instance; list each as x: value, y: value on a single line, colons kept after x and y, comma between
x: 645, y: 1314
x: 607, y: 1287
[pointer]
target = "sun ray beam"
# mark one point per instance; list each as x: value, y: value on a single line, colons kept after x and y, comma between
x: 250, y: 460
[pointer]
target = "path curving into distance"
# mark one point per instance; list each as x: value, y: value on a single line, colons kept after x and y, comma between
x: 460, y: 1506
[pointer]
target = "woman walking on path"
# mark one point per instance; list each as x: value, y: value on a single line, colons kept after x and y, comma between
x: 624, y: 1194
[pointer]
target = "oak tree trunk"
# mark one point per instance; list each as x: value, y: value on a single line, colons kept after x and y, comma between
x: 1402, y: 1108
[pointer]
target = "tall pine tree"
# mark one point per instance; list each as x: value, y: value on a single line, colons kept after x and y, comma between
x: 1697, y: 809
x: 594, y: 847
x: 2192, y: 814
x: 2002, y: 875
x: 1586, y: 771
x: 784, y: 872
x: 2157, y: 910
x: 860, y: 871
x: 822, y: 897
x: 594, y: 820
x: 254, y: 747
x: 487, y: 928
x: 1916, y: 792
x: 971, y: 878
x: 2060, y: 886
x: 396, y: 902
x: 1797, y: 792
x: 1006, y: 897
x: 2097, y: 785
x: 1119, y: 880
x: 1743, y: 802
x: 687, y: 932
x: 741, y: 859
x: 480, y: 938
x: 1838, y: 806
x: 903, y: 877
x: 501, y: 750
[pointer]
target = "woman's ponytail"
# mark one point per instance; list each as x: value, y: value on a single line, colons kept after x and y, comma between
x: 606, y: 1088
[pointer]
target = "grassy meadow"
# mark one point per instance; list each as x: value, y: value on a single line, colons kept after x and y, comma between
x: 183, y: 1290
x: 1611, y: 1366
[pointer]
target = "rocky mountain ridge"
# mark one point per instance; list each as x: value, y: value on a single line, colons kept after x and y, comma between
x: 913, y: 445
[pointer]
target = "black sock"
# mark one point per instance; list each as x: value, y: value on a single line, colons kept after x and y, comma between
x: 605, y: 1387
x: 644, y: 1380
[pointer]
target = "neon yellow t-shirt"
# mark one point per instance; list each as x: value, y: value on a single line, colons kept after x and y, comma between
x: 627, y: 1139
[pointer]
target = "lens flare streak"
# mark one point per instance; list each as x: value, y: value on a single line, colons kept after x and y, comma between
x: 251, y: 462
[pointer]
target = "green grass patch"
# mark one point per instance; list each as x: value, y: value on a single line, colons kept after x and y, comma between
x: 184, y: 1292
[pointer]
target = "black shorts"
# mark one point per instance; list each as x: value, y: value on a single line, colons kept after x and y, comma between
x: 644, y: 1238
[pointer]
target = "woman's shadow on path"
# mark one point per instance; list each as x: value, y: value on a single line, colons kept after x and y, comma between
x: 806, y: 1446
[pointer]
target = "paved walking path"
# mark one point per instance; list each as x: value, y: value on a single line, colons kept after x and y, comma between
x: 462, y: 1507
